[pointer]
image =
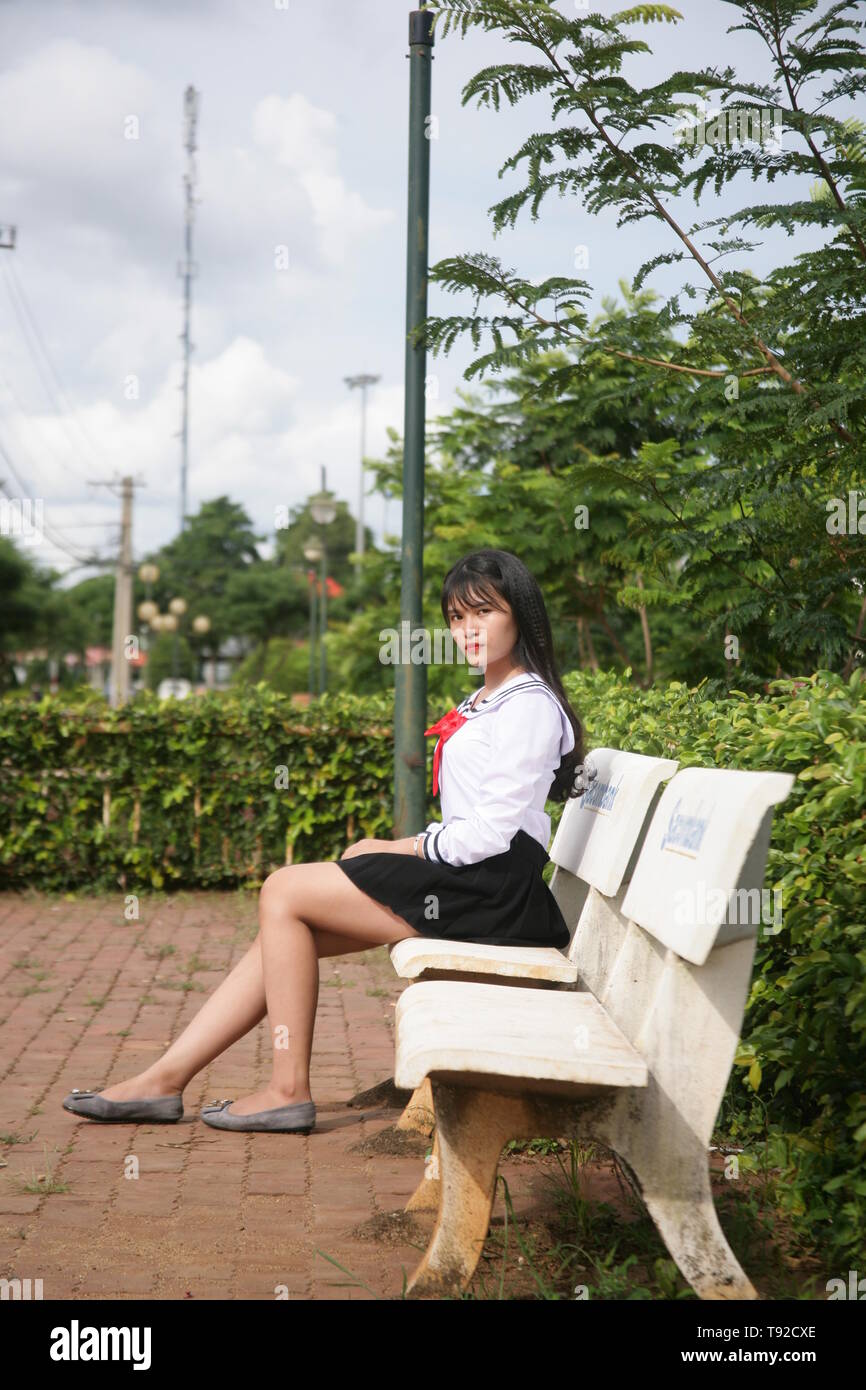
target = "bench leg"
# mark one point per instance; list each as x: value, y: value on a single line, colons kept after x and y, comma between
x: 676, y: 1192
x: 426, y: 1194
x: 418, y: 1114
x: 472, y: 1127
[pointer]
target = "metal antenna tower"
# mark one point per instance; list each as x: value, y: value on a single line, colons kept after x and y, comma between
x: 187, y: 269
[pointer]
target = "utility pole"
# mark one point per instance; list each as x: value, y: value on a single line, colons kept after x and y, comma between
x: 187, y: 269
x: 364, y: 379
x: 410, y: 687
x: 122, y: 623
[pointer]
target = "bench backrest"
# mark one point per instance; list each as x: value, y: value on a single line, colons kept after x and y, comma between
x: 702, y: 865
x: 597, y: 843
x: 686, y: 930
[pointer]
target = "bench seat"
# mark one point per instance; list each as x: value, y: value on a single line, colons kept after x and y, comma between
x: 414, y: 955
x: 554, y: 1042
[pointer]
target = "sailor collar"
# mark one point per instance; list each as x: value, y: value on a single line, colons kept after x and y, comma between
x: 521, y: 681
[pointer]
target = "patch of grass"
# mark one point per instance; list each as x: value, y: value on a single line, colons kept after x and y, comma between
x: 591, y: 1250
x: 26, y: 963
x: 196, y: 963
x: 582, y: 1254
x: 186, y: 985
x: 12, y: 1136
x: 93, y: 1003
x: 353, y: 1280
x: 33, y: 989
x: 42, y: 1182
x: 544, y: 1145
x: 160, y: 952
x: 377, y: 993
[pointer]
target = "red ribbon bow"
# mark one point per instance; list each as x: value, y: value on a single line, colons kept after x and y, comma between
x: 444, y: 727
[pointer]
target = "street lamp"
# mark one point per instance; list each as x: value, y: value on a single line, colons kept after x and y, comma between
x: 170, y: 622
x: 323, y: 510
x: 363, y: 379
x: 176, y: 610
x: 147, y: 610
x: 312, y: 552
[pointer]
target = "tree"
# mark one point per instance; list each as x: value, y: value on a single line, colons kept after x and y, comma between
x: 32, y: 611
x: 778, y: 361
x: 90, y: 613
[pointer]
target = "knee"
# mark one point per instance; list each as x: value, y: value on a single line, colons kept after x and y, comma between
x: 277, y: 887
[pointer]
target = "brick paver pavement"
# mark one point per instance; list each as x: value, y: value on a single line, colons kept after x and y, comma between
x: 175, y: 1211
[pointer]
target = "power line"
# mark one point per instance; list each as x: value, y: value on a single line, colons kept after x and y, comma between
x: 31, y: 333
x: 68, y: 525
x: 81, y: 561
x: 27, y: 491
x: 26, y: 415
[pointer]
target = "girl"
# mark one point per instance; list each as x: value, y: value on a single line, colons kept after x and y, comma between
x: 474, y: 876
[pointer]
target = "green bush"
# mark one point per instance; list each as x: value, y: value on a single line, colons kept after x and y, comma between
x: 801, y: 1066
x: 216, y: 790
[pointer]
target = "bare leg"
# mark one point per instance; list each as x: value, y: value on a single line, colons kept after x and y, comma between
x: 240, y: 1001
x: 293, y: 904
x: 235, y: 1007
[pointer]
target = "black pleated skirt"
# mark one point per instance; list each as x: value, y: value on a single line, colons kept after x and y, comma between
x: 502, y: 900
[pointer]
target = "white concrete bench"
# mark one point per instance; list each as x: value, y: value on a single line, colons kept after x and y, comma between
x: 635, y: 1054
x: 595, y: 846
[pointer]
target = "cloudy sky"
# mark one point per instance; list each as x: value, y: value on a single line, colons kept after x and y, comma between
x: 302, y: 144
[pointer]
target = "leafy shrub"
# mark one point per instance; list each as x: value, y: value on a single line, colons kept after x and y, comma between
x: 212, y: 791
x: 801, y: 1066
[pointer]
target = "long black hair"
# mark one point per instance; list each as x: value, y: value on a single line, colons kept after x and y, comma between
x: 493, y: 575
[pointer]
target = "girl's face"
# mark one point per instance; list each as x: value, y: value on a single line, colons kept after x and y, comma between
x: 484, y: 633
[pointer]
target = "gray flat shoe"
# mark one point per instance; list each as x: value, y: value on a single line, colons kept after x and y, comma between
x: 158, y: 1110
x: 285, y: 1119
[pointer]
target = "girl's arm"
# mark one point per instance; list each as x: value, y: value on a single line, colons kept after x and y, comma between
x: 403, y: 846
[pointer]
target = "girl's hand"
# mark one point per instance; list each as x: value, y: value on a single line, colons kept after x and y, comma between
x: 364, y: 847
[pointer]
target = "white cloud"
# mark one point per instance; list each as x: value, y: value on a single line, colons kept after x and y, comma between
x: 73, y: 103
x: 303, y: 138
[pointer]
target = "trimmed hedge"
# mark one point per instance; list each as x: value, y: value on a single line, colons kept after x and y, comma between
x: 205, y: 777
x: 215, y: 791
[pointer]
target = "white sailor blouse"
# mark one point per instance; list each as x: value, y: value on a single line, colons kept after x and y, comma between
x: 495, y: 766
